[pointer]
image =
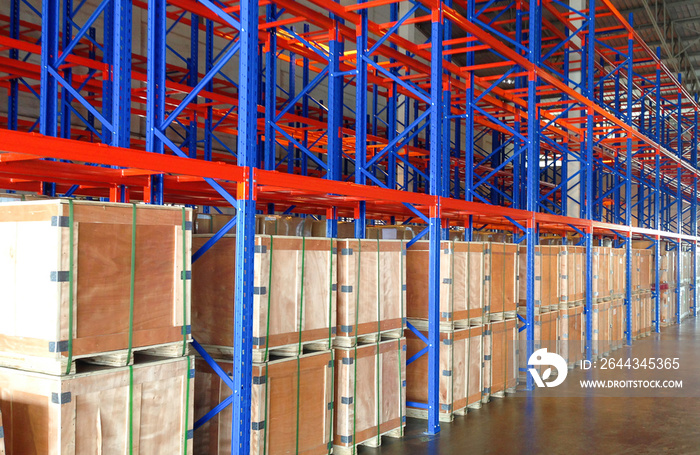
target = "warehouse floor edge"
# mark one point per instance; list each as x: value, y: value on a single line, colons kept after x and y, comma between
x: 565, y: 425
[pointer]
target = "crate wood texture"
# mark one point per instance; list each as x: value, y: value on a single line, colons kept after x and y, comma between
x: 642, y: 262
x: 140, y: 409
x: 462, y: 283
x: 370, y: 394
x: 571, y: 334
x: 291, y: 410
x: 619, y: 272
x: 602, y: 279
x: 547, y: 276
x: 617, y: 318
x: 371, y: 285
x: 91, y: 280
x: 573, y: 275
x: 461, y: 373
x: 500, y: 358
x: 294, y: 295
x: 601, y: 336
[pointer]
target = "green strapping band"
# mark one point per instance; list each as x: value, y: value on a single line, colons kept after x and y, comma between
x: 70, y: 284
x: 299, y: 351
x: 267, y: 338
x: 330, y: 343
x: 190, y: 367
x: 379, y: 335
x: 131, y: 409
x: 357, y: 315
x: 184, y: 282
x: 132, y: 280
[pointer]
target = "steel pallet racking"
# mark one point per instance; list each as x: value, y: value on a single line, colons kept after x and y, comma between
x: 531, y: 116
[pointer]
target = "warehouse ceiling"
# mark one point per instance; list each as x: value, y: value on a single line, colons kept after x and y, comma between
x: 671, y: 25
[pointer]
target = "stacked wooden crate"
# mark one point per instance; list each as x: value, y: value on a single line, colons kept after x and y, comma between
x: 478, y: 295
x: 370, y: 351
x: 462, y: 317
x: 86, y: 286
x: 667, y: 285
x: 294, y: 311
x: 642, y: 279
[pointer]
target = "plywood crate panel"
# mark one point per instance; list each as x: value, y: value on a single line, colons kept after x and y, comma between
x: 461, y: 375
x: 461, y: 282
x: 601, y: 284
x: 501, y: 280
x: 547, y: 292
x: 570, y: 334
x: 291, y: 407
x: 573, y: 274
x: 211, y: 223
x: 619, y: 272
x: 370, y: 394
x: 500, y: 358
x: 617, y: 318
x: 294, y: 299
x: 46, y: 314
x: 601, y: 336
x: 371, y: 281
x: 665, y: 305
x: 642, y: 261
x: 104, y: 410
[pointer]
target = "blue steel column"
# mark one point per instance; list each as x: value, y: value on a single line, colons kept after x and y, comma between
x: 13, y: 93
x: 628, y: 191
x: 361, y: 118
x: 679, y: 197
x: 435, y: 184
x: 469, y: 115
x: 533, y: 182
x: 335, y: 116
x: 270, y: 91
x: 694, y: 210
x: 67, y: 36
x: 49, y: 53
x: 155, y: 107
x: 245, y: 229
x: 657, y: 291
x: 121, y: 73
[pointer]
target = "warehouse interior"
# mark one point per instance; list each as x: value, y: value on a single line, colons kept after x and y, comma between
x: 349, y: 227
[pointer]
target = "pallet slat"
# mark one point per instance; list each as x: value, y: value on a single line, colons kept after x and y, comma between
x: 93, y: 412
x: 36, y: 272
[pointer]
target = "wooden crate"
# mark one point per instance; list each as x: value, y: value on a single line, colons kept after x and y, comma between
x: 642, y: 261
x: 387, y: 232
x: 601, y: 285
x: 665, y: 305
x: 617, y: 318
x: 570, y: 334
x: 46, y: 316
x: 601, y: 336
x: 619, y: 272
x: 372, y: 297
x: 283, y: 225
x: 370, y: 394
x: 103, y: 410
x: 501, y: 280
x: 294, y: 298
x: 461, y: 375
x: 292, y: 401
x: 211, y: 223
x: 573, y: 274
x: 546, y: 336
x: 462, y: 284
x: 500, y: 358
x: 547, y: 292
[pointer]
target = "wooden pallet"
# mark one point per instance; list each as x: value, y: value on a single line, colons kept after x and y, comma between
x: 371, y: 338
x: 374, y: 442
x: 277, y: 352
x: 59, y: 366
x: 90, y: 412
x: 502, y: 316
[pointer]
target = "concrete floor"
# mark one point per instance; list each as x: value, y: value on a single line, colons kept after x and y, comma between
x: 550, y: 423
